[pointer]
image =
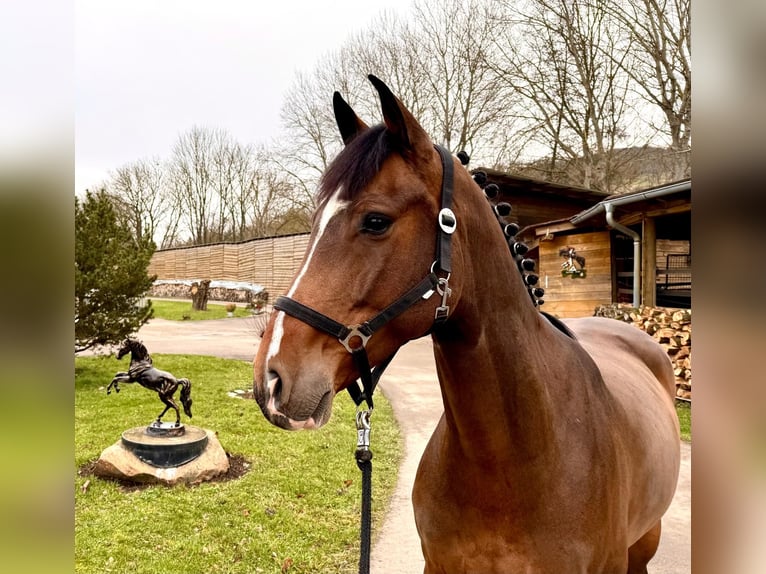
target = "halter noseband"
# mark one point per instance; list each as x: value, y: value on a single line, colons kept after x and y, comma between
x: 354, y: 337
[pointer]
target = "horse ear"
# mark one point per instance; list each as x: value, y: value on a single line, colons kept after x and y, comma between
x: 348, y: 122
x: 400, y: 122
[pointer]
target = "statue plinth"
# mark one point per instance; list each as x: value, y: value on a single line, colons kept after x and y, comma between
x: 139, y: 457
x: 165, y: 445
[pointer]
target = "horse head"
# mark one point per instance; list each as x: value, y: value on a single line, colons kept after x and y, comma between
x: 374, y: 237
x: 134, y: 347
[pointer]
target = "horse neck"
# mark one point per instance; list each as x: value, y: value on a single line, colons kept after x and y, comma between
x: 140, y: 358
x: 497, y: 357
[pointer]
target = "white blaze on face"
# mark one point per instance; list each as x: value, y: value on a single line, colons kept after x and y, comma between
x: 331, y: 209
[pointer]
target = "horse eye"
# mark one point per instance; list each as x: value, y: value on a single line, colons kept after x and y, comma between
x: 375, y: 223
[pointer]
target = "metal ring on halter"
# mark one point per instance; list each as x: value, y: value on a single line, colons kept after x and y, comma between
x: 447, y: 221
x: 433, y: 265
x: 354, y: 332
x: 442, y: 286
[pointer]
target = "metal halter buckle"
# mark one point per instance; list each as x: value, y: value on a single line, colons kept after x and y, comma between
x: 354, y: 332
x: 447, y: 221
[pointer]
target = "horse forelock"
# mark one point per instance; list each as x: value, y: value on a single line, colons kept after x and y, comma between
x: 356, y: 165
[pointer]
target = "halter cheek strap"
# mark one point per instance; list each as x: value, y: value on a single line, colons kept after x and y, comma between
x: 447, y: 220
x: 354, y: 337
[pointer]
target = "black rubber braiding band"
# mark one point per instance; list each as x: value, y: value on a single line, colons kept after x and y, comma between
x: 518, y: 249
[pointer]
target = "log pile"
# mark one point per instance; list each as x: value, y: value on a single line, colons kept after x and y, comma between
x: 251, y: 294
x: 671, y: 328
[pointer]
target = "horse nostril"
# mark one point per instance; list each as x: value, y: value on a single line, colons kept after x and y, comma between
x: 274, y: 384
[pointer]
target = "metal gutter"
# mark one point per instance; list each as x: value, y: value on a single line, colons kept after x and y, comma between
x: 607, y: 206
x: 631, y: 198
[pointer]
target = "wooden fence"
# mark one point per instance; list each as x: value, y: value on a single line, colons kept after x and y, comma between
x: 271, y: 262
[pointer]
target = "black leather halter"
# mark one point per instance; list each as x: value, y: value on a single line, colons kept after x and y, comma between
x: 354, y: 337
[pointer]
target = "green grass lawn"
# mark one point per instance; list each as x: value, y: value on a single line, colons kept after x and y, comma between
x: 684, y: 411
x: 177, y: 310
x: 298, y: 504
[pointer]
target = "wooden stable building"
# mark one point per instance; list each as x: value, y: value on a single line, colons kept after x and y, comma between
x: 535, y: 201
x: 632, y: 248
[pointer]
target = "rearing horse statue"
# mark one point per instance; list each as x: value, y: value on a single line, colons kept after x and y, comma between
x: 558, y: 451
x: 143, y: 372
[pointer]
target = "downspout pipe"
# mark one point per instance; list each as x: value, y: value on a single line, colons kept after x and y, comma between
x: 609, y: 208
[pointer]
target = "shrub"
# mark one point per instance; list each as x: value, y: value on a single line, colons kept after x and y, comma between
x: 110, y: 275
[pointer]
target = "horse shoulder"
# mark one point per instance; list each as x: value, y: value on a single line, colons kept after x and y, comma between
x: 636, y: 370
x: 638, y: 375
x: 617, y: 346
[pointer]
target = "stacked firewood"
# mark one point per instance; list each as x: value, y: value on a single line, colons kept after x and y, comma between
x: 672, y: 328
x: 238, y: 292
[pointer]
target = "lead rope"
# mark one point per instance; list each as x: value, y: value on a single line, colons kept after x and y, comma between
x: 363, y: 456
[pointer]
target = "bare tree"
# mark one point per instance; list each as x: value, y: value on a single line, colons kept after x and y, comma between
x: 387, y: 48
x: 191, y: 171
x: 140, y: 195
x: 213, y: 188
x: 311, y: 136
x: 171, y: 225
x: 236, y: 200
x: 660, y: 31
x: 578, y: 103
x: 435, y: 62
x: 309, y: 123
x: 468, y: 106
x: 226, y: 159
x: 267, y: 196
x: 557, y: 88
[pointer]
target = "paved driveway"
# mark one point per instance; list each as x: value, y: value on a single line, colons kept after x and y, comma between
x: 410, y: 384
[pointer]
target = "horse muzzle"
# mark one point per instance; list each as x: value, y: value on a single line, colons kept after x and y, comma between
x: 290, y: 407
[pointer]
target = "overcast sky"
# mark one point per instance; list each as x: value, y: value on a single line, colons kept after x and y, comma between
x: 148, y: 70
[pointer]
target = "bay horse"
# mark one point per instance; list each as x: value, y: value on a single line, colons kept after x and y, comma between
x: 558, y: 450
x: 143, y: 372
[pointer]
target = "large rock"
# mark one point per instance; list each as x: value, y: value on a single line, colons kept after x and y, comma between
x: 119, y: 463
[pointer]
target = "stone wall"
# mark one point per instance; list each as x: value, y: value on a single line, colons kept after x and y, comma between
x: 671, y: 328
